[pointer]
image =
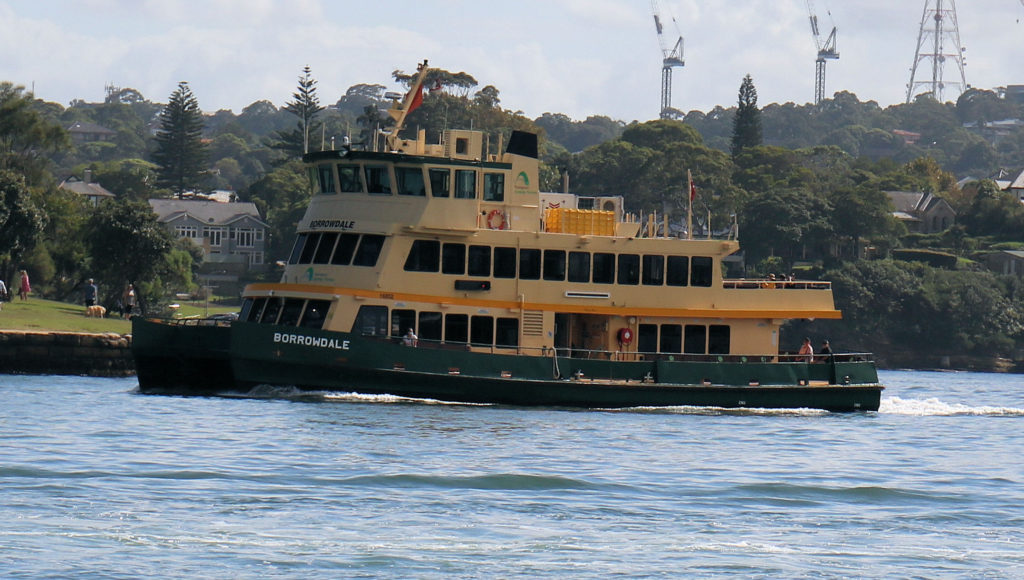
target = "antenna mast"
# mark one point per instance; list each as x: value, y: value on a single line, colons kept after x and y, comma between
x: 943, y: 28
x: 670, y: 59
x: 826, y: 51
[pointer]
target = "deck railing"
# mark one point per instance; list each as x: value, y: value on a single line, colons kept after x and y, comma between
x: 767, y: 283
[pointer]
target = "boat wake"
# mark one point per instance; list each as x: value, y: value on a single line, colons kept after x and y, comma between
x: 292, y: 393
x: 691, y: 410
x: 924, y: 407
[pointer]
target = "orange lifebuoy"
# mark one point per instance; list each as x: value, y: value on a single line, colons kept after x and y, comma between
x: 496, y: 220
x: 625, y: 336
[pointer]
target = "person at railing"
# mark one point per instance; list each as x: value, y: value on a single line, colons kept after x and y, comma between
x: 825, y: 351
x: 806, y: 350
x: 410, y: 338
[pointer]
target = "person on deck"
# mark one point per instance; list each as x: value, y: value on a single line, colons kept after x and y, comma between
x: 807, y: 351
x: 825, y: 351
x: 410, y: 338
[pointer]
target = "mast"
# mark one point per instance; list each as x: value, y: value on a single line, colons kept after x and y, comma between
x: 400, y: 110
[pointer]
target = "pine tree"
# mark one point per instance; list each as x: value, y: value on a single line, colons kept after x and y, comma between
x: 305, y: 105
x: 180, y: 155
x: 746, y: 128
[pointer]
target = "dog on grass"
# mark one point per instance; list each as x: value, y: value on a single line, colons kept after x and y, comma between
x: 96, y: 311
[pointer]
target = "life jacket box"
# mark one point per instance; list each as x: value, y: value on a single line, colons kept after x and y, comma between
x: 584, y: 222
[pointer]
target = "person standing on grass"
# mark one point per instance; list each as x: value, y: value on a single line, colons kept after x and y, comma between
x: 90, y: 293
x: 25, y: 287
x: 3, y: 294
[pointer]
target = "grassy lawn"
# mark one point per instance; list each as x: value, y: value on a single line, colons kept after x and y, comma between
x: 39, y: 314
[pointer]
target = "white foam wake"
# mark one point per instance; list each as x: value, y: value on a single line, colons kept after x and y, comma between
x: 898, y: 406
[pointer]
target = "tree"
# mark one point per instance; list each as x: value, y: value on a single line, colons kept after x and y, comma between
x: 305, y: 105
x: 746, y: 128
x: 180, y: 152
x: 25, y: 135
x: 127, y: 245
x: 21, y: 221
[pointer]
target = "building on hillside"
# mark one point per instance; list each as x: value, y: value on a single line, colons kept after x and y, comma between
x: 232, y: 236
x: 89, y: 132
x: 1014, y: 187
x: 922, y: 212
x: 86, y: 187
x: 1006, y: 262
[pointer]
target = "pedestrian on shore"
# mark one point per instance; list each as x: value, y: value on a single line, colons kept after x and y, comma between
x: 3, y: 294
x: 25, y: 287
x: 90, y: 293
x: 129, y: 301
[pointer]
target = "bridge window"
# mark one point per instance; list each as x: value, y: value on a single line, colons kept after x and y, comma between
x: 629, y: 269
x: 291, y: 311
x: 410, y: 181
x: 504, y: 262
x: 325, y: 175
x: 654, y: 270
x: 554, y: 265
x: 494, y: 187
x: 348, y: 179
x: 315, y: 314
x: 344, y: 250
x: 678, y: 270
x: 270, y: 311
x: 453, y: 259
x: 579, y: 266
x: 377, y: 180
x: 529, y: 264
x: 440, y: 182
x: 465, y: 184
x: 424, y: 256
x: 310, y: 250
x: 300, y: 243
x: 252, y: 309
x: 604, y: 268
x: 700, y: 273
x: 325, y: 248
x: 369, y: 250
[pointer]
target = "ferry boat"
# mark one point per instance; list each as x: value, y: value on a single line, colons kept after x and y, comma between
x: 440, y: 271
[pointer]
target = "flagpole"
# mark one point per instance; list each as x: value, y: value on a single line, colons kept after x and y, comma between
x: 689, y: 213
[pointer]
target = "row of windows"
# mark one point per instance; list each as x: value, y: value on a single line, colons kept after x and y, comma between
x: 688, y: 339
x: 244, y: 237
x: 336, y: 248
x: 559, y: 265
x: 477, y: 330
x: 377, y: 180
x: 285, y: 311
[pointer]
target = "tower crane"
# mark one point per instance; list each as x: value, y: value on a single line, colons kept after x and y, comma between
x: 826, y: 51
x: 671, y: 58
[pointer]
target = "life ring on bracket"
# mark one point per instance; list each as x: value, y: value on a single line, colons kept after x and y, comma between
x: 624, y: 336
x: 496, y: 220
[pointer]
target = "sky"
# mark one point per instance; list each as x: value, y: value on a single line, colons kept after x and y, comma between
x: 576, y: 57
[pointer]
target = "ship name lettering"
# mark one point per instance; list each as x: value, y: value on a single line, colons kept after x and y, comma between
x: 301, y: 339
x: 332, y: 224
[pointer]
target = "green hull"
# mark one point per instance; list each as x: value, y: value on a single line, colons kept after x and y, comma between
x: 210, y: 359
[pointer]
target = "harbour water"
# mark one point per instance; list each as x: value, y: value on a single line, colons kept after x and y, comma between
x: 98, y: 481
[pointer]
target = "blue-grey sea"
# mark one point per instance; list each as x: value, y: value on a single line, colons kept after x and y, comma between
x: 99, y: 481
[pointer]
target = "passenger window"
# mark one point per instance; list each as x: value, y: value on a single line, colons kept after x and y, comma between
x: 494, y: 187
x: 402, y: 321
x: 678, y: 270
x: 326, y: 247
x: 465, y: 184
x: 456, y: 328
x: 529, y: 264
x: 430, y: 326
x: 346, y: 247
x: 369, y: 250
x: 482, y: 330
x: 507, y: 333
x: 604, y: 268
x: 348, y: 179
x: 647, y: 338
x: 671, y: 338
x: 377, y: 180
x: 424, y: 256
x: 695, y: 338
x: 270, y: 311
x: 291, y: 311
x: 700, y: 274
x: 554, y: 265
x: 579, y: 266
x: 654, y: 270
x: 371, y: 321
x: 315, y: 314
x: 718, y: 339
x: 453, y: 259
x: 629, y: 269
x: 479, y: 260
x: 440, y: 182
x: 504, y: 262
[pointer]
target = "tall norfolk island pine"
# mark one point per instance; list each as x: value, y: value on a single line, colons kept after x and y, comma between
x: 180, y: 151
x: 746, y: 128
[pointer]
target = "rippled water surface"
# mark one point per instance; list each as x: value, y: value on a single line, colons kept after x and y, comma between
x: 97, y: 480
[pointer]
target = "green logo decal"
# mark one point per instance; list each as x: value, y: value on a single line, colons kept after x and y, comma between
x: 309, y: 274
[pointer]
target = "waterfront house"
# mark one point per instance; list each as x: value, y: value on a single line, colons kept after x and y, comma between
x: 922, y: 212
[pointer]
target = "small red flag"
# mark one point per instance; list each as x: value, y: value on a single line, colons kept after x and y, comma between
x: 416, y: 101
x: 693, y: 191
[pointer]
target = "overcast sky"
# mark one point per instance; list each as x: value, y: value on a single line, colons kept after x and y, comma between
x: 578, y: 57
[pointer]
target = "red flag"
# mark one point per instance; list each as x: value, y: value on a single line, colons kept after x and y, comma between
x: 693, y: 191
x: 416, y: 101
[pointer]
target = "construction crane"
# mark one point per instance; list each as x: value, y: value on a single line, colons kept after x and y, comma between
x: 670, y: 59
x: 826, y: 51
